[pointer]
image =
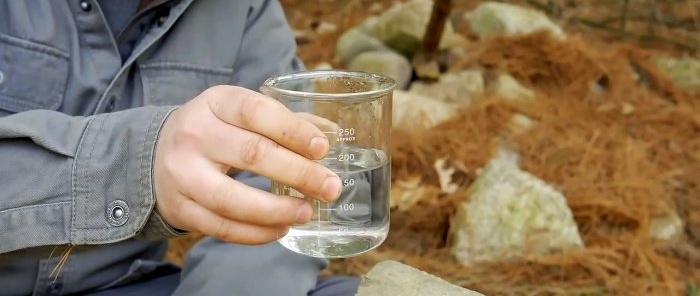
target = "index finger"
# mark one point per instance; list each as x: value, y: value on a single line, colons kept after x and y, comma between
x: 267, y: 117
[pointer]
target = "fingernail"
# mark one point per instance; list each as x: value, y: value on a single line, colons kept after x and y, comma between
x: 282, y: 233
x: 318, y: 147
x: 331, y: 188
x: 303, y: 213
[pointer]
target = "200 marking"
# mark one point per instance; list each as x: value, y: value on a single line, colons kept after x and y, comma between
x: 346, y: 157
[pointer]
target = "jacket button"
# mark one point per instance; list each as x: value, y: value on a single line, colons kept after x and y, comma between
x: 117, y: 213
x: 110, y: 104
x: 54, y: 289
x: 85, y: 5
x: 162, y: 18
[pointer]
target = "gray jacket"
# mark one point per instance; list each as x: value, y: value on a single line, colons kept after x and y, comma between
x: 78, y: 126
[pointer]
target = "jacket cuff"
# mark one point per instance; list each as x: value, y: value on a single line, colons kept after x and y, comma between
x: 157, y: 228
x: 113, y: 195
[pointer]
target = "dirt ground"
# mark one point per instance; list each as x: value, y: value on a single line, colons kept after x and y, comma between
x: 615, y: 169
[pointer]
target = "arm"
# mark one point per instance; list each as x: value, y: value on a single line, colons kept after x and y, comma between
x: 60, y: 174
x: 63, y: 176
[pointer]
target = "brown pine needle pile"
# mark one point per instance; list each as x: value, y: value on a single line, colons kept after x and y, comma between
x: 613, y: 134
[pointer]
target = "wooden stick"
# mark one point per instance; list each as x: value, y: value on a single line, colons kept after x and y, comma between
x: 436, y: 26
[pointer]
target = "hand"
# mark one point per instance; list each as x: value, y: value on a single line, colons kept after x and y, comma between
x: 226, y: 129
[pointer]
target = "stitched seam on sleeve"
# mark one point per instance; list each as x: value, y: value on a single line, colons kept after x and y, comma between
x: 187, y: 67
x: 90, y: 177
x: 74, y: 178
x: 34, y: 207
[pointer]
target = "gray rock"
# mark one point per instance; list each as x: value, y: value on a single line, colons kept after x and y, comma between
x: 387, y: 63
x: 391, y: 278
x: 354, y: 42
x: 685, y: 72
x: 509, y: 88
x: 510, y: 214
x: 666, y: 227
x: 412, y: 111
x: 403, y: 26
x: 463, y: 87
x: 496, y: 19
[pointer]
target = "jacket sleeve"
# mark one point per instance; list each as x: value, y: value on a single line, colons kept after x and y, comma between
x: 76, y: 180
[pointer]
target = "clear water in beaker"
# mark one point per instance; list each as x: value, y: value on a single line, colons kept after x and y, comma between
x: 354, y: 110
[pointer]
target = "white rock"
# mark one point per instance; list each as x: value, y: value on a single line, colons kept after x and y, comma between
x: 509, y: 88
x: 413, y: 111
x: 463, y: 86
x: 627, y: 108
x: 496, y: 19
x: 666, y: 227
x: 387, y: 63
x: 403, y: 26
x: 354, y: 42
x: 519, y: 124
x: 445, y: 176
x: 685, y: 72
x: 395, y: 279
x: 326, y: 27
x: 407, y: 193
x: 511, y: 213
x: 323, y: 66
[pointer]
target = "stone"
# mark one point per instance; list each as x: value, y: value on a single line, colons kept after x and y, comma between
x: 684, y: 72
x: 326, y: 27
x: 445, y: 176
x: 492, y: 19
x: 412, y: 111
x: 386, y: 63
x: 403, y: 26
x: 463, y: 86
x: 627, y: 108
x: 520, y: 124
x: 511, y: 213
x: 408, y: 192
x: 323, y: 66
x: 509, y: 88
x: 426, y: 68
x: 666, y: 227
x: 396, y: 279
x: 354, y: 42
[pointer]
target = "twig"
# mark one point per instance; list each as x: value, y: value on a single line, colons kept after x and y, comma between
x: 425, y: 60
x: 625, y: 9
x: 436, y: 25
x: 640, y: 37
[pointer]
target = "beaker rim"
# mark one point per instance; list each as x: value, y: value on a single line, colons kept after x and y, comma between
x: 385, y: 85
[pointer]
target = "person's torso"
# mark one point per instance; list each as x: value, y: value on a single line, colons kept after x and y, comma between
x: 61, y: 55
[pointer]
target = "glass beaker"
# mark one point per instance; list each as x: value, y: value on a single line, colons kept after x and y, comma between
x: 354, y: 110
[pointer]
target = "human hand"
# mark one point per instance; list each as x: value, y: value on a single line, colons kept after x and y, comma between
x: 226, y: 129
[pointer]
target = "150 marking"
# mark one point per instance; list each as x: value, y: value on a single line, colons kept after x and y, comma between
x: 348, y: 182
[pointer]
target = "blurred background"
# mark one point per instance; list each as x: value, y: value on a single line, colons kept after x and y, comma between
x: 539, y: 147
